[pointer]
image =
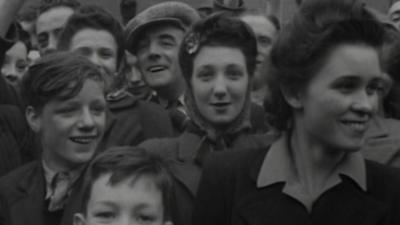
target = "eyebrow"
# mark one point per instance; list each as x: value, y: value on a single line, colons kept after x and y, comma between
x: 166, y: 36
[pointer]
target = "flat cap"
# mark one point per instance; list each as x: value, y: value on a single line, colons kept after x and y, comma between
x: 177, y: 13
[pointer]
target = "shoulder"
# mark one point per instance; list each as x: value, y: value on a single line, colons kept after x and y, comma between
x: 23, y: 175
x: 383, y: 179
x: 236, y: 159
x: 160, y: 146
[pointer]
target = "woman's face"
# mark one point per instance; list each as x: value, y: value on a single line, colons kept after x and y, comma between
x: 71, y: 129
x: 337, y: 105
x: 219, y: 83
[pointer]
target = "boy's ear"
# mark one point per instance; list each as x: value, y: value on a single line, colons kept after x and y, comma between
x: 79, y: 219
x: 292, y: 97
x: 168, y: 223
x: 33, y: 118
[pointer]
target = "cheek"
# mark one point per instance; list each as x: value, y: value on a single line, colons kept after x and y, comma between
x: 101, y: 122
x: 201, y: 92
x: 238, y: 90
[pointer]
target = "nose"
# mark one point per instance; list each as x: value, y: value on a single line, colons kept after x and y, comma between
x: 86, y: 120
x: 154, y: 51
x: 95, y: 59
x: 220, y: 86
x: 9, y: 72
x: 52, y: 45
x: 365, y: 104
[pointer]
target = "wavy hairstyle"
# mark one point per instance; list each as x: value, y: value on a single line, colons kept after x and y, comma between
x: 304, y: 44
x: 219, y: 29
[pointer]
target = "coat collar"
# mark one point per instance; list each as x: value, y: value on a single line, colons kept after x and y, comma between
x: 277, y: 167
x: 31, y: 202
x: 185, y: 169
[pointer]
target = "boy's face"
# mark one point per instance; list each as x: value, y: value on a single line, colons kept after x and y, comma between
x: 125, y: 203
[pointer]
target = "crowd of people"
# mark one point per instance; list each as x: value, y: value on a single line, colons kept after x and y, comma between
x: 216, y: 115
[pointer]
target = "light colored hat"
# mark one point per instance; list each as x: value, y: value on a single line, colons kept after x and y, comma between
x: 177, y: 13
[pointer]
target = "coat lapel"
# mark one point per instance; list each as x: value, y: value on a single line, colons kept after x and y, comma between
x: 185, y: 169
x: 74, y: 204
x: 30, y: 205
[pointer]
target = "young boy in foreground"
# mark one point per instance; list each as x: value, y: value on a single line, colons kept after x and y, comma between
x: 126, y: 185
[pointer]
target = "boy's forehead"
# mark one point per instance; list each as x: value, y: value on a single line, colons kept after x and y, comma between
x: 141, y: 190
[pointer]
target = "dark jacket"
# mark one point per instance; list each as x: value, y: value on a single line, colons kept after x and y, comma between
x: 22, y: 194
x: 132, y: 121
x: 183, y: 155
x: 228, y: 195
x: 18, y: 144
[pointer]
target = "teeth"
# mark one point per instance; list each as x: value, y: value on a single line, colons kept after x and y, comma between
x: 156, y: 68
x: 82, y: 140
x: 356, y: 125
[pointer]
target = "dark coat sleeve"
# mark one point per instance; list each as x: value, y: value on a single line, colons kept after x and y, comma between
x: 18, y: 144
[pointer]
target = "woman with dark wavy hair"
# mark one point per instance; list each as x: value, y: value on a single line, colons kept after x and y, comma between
x: 217, y: 58
x: 326, y: 84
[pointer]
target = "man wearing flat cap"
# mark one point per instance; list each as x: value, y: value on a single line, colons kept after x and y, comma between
x: 154, y: 36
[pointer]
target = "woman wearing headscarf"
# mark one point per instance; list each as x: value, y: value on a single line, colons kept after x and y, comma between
x: 326, y: 84
x: 217, y: 59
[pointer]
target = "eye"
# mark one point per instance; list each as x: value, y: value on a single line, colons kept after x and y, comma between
x: 145, y: 219
x: 84, y: 51
x: 98, y: 109
x: 234, y: 72
x: 105, y: 215
x: 346, y: 86
x: 264, y: 41
x: 67, y: 110
x: 43, y: 39
x: 141, y: 46
x: 106, y: 53
x: 21, y: 65
x: 205, y: 75
x: 377, y: 87
x: 167, y: 43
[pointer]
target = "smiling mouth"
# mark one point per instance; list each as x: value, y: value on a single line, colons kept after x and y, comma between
x: 83, y: 140
x: 356, y: 125
x: 155, y: 69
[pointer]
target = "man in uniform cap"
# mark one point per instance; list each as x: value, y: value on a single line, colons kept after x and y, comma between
x: 154, y: 36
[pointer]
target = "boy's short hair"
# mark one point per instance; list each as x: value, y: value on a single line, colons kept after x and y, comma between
x: 60, y: 75
x: 46, y: 5
x: 92, y: 17
x: 125, y: 163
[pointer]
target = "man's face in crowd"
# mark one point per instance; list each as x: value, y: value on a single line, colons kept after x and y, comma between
x: 49, y: 26
x: 394, y: 14
x: 265, y: 32
x: 99, y: 46
x: 157, y: 51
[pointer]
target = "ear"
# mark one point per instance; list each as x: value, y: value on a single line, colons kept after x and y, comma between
x: 292, y: 97
x: 79, y: 219
x: 33, y: 119
x: 168, y: 223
